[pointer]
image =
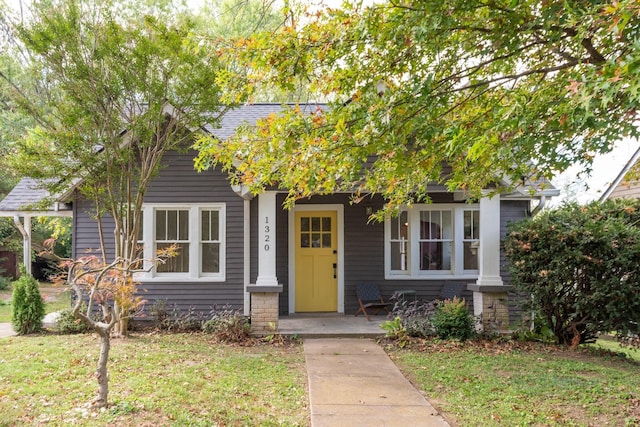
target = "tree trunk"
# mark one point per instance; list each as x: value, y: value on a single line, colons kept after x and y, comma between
x: 101, y: 372
x: 122, y: 323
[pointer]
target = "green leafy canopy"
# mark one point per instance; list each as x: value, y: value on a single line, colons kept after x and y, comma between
x: 500, y: 91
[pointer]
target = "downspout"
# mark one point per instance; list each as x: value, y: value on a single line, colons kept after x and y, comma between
x: 540, y: 206
x: 25, y: 230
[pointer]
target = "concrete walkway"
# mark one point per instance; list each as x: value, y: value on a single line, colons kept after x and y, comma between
x: 352, y: 382
x: 6, y: 330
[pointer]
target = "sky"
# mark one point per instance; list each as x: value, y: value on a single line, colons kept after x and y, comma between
x: 606, y: 168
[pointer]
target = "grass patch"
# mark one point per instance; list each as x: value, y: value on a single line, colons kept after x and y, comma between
x: 492, y: 384
x: 55, y: 299
x: 155, y: 380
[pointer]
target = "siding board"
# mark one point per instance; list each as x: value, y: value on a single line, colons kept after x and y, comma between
x: 178, y: 182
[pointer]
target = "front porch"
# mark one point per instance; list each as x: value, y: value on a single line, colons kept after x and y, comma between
x: 330, y: 326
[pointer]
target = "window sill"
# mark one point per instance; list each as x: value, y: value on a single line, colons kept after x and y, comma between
x: 178, y: 278
x: 426, y: 277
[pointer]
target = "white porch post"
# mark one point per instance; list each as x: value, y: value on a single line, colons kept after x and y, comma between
x: 490, y: 296
x: 489, y: 250
x: 266, y: 292
x: 25, y: 230
x: 266, y: 240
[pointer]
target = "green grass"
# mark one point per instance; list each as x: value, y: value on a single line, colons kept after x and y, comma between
x: 63, y: 301
x: 528, y: 384
x: 155, y: 380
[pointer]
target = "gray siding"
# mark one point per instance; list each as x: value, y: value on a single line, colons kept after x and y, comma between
x: 511, y: 211
x: 178, y: 182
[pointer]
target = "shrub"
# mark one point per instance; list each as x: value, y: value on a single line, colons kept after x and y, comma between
x: 169, y: 317
x: 69, y: 324
x: 4, y: 283
x: 228, y: 325
x: 579, y: 265
x: 28, y: 305
x: 452, y: 320
x: 415, y: 316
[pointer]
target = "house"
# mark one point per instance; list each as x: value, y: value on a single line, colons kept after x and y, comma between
x: 624, y: 186
x: 251, y: 253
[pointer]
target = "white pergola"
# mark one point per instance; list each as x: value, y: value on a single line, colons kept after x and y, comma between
x: 22, y: 204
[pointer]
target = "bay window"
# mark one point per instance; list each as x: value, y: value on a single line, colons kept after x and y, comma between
x: 433, y: 240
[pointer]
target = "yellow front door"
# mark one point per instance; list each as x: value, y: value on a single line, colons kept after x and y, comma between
x: 316, y: 261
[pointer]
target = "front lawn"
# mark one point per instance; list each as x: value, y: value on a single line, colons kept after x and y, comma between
x: 155, y: 380
x: 521, y: 384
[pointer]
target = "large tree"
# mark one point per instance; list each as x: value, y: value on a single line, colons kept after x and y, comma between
x: 113, y: 87
x: 502, y: 91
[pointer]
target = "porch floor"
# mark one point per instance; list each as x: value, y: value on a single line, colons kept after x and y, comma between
x: 330, y: 325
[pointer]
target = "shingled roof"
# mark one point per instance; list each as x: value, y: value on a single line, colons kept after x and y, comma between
x: 249, y: 115
x: 27, y: 197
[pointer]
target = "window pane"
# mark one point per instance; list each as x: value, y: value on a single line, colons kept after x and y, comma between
x: 326, y: 223
x: 315, y: 240
x: 210, y: 257
x: 210, y: 225
x: 470, y: 256
x: 304, y: 224
x: 205, y: 229
x: 326, y: 240
x: 399, y: 256
x: 183, y: 224
x: 305, y: 240
x: 161, y: 225
x: 178, y: 263
x: 172, y: 225
x: 476, y: 225
x: 315, y: 224
x: 471, y: 224
x: 447, y: 225
x: 435, y: 256
x: 215, y: 225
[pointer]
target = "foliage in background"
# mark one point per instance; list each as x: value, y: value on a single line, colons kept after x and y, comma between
x: 579, y: 265
x: 452, y: 320
x: 68, y: 323
x: 27, y: 305
x: 500, y: 91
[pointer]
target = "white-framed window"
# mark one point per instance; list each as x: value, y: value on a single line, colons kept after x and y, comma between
x: 198, y: 231
x: 429, y: 241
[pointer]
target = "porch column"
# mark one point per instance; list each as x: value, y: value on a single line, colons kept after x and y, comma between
x: 267, y: 239
x: 490, y: 297
x: 25, y: 230
x: 265, y: 293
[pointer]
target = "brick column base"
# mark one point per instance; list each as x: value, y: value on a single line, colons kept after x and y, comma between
x: 492, y: 310
x: 264, y: 313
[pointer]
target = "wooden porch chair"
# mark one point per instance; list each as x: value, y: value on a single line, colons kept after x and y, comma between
x: 369, y: 298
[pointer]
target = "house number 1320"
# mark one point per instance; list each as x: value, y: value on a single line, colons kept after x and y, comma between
x: 267, y: 234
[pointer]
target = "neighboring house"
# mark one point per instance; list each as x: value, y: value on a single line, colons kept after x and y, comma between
x: 254, y: 255
x: 624, y: 186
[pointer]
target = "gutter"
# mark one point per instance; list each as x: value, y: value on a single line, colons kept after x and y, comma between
x: 25, y: 235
